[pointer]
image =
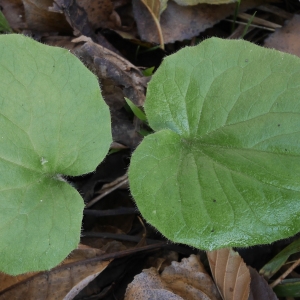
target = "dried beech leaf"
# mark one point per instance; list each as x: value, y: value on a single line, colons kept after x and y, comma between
x: 63, y: 282
x: 286, y: 39
x: 186, y: 280
x: 231, y: 274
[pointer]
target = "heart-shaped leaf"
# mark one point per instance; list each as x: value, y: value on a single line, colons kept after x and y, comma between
x: 223, y: 167
x: 53, y: 122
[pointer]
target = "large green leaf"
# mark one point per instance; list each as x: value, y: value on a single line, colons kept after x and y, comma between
x: 53, y: 122
x: 223, y: 168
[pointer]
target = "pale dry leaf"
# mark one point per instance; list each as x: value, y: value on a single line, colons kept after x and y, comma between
x: 286, y: 39
x: 62, y: 282
x: 186, y: 280
x: 148, y: 286
x: 231, y: 274
x: 190, y: 280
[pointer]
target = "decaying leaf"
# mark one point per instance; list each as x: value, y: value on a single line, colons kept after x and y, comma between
x: 120, y: 72
x: 259, y: 288
x: 286, y: 39
x: 186, y: 280
x: 231, y: 274
x: 98, y: 12
x: 76, y: 16
x: 195, y: 2
x: 62, y: 282
x: 183, y: 22
x: 13, y: 11
x: 39, y: 18
x: 154, y: 8
x: 118, y: 78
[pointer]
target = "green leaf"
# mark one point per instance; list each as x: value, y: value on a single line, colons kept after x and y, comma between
x: 4, y: 25
x: 288, y: 288
x: 148, y: 72
x: 269, y: 269
x: 53, y: 122
x: 223, y: 168
x: 137, y: 112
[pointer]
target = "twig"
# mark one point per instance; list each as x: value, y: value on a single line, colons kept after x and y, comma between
x: 114, y: 187
x: 286, y: 273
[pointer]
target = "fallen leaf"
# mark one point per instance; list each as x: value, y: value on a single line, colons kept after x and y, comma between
x: 286, y: 39
x: 231, y: 274
x: 186, y: 280
x: 76, y: 16
x: 154, y: 8
x: 195, y: 2
x: 13, y: 11
x: 39, y: 18
x: 98, y: 12
x: 119, y: 78
x: 183, y: 22
x: 259, y: 288
x: 62, y: 282
x: 85, y: 22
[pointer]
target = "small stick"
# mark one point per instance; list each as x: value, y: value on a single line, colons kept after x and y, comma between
x: 286, y: 273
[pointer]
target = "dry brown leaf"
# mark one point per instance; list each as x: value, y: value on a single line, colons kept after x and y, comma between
x: 109, y: 66
x: 62, y: 282
x: 118, y: 78
x: 13, y: 11
x: 195, y: 2
x: 98, y: 12
x: 259, y: 288
x: 183, y: 22
x: 286, y: 39
x: 153, y: 7
x: 39, y: 18
x: 231, y: 274
x: 186, y: 280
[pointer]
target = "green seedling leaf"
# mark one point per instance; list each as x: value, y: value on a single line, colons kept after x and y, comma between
x: 4, y: 25
x: 53, y: 122
x: 280, y: 259
x: 223, y: 168
x: 288, y: 288
x: 148, y: 72
x: 137, y: 112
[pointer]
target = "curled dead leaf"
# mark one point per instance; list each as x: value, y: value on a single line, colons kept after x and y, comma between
x: 186, y: 280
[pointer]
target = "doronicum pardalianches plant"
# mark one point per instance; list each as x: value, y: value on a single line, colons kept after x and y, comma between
x: 53, y: 122
x: 223, y: 167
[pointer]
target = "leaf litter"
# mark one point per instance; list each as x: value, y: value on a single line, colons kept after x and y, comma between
x: 117, y: 62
